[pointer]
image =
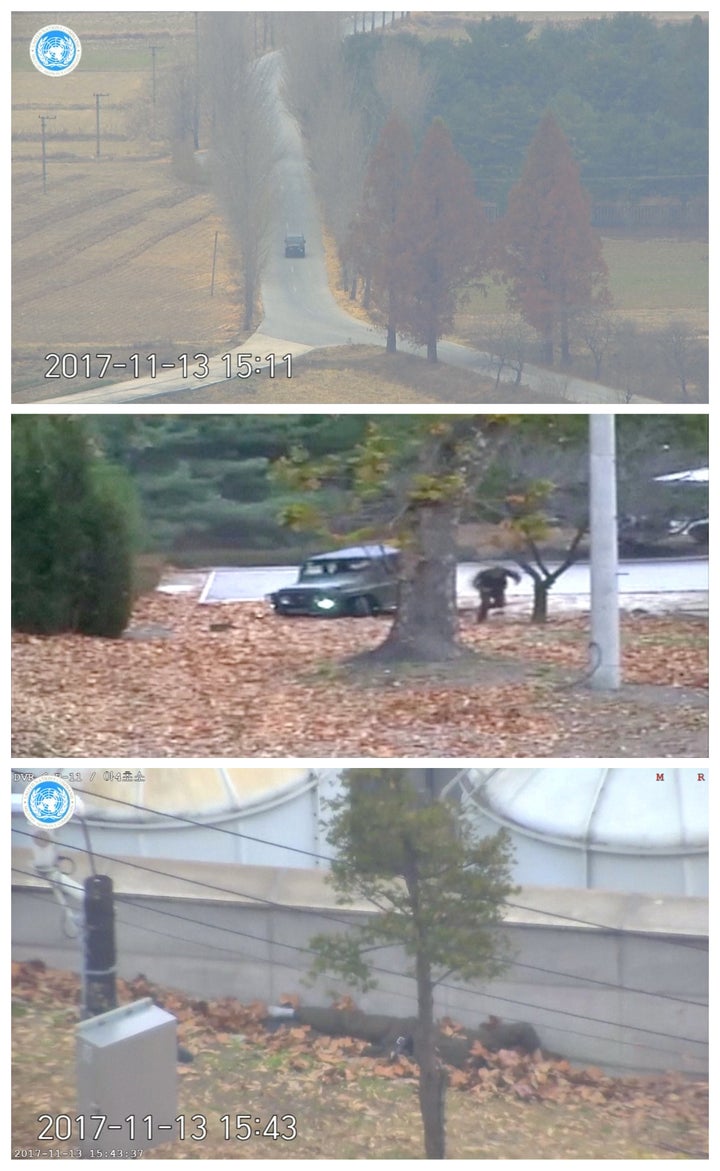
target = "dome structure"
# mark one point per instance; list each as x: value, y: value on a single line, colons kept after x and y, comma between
x: 257, y: 816
x: 151, y: 794
x: 623, y: 829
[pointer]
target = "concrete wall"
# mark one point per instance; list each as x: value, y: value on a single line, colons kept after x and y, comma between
x: 615, y: 980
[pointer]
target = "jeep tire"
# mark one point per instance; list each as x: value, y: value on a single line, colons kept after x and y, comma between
x: 362, y: 607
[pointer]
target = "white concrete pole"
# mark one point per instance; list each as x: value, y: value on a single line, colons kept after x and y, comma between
x: 605, y: 621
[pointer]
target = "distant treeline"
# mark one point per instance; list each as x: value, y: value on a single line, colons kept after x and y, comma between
x: 206, y: 490
x: 629, y: 90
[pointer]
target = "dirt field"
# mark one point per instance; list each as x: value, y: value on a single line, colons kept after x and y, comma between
x: 116, y: 256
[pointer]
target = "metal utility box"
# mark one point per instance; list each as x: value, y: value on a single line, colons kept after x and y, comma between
x: 127, y: 1074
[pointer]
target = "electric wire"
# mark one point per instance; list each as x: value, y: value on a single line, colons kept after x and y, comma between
x: 326, y: 858
x: 380, y: 970
x: 411, y: 996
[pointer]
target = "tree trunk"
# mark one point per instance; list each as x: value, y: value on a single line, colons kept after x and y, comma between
x: 540, y: 601
x: 432, y: 350
x: 248, y: 299
x: 391, y: 344
x: 548, y: 349
x: 432, y: 1077
x: 564, y: 339
x: 425, y: 626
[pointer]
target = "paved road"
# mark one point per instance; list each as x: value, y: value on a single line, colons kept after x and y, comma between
x: 646, y: 584
x: 300, y: 311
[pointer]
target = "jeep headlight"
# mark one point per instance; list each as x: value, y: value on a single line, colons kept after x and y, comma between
x: 325, y: 603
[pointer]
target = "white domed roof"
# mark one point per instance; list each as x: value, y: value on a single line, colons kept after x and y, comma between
x: 146, y: 794
x: 625, y: 829
x: 255, y: 816
x: 621, y: 808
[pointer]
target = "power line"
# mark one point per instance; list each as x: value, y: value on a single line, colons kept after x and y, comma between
x: 197, y: 882
x: 380, y: 970
x: 616, y: 931
x: 215, y: 828
x: 404, y: 995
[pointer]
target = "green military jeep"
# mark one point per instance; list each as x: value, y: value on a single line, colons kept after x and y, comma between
x: 295, y: 245
x: 359, y: 581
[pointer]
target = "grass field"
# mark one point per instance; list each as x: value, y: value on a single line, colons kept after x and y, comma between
x: 116, y: 255
x: 342, y: 1108
x: 346, y: 1105
x: 653, y: 279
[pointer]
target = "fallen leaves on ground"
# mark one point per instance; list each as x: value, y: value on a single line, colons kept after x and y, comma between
x: 516, y: 1106
x: 260, y: 685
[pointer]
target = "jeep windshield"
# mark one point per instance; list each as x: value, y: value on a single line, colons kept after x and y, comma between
x: 318, y: 570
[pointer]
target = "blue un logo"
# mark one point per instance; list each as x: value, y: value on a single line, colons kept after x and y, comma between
x: 48, y: 801
x: 55, y: 50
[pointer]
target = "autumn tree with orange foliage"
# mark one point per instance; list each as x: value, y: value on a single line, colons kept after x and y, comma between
x: 442, y: 236
x: 551, y: 255
x: 376, y: 240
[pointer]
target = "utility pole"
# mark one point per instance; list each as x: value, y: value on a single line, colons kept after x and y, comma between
x: 88, y: 913
x: 605, y: 620
x: 196, y: 99
x: 43, y: 119
x: 100, y: 991
x: 431, y: 782
x: 97, y: 122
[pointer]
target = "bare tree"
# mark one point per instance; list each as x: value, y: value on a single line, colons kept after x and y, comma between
x: 339, y: 151
x: 510, y: 344
x: 244, y: 150
x: 321, y: 93
x: 402, y: 83
x: 657, y: 363
x: 678, y: 345
x: 312, y: 44
x: 631, y: 363
x: 376, y: 244
x: 595, y: 326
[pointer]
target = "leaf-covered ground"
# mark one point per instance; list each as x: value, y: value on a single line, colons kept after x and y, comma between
x: 239, y: 681
x: 347, y: 1105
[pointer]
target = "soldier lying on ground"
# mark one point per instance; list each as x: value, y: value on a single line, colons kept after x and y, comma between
x: 393, y: 1036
